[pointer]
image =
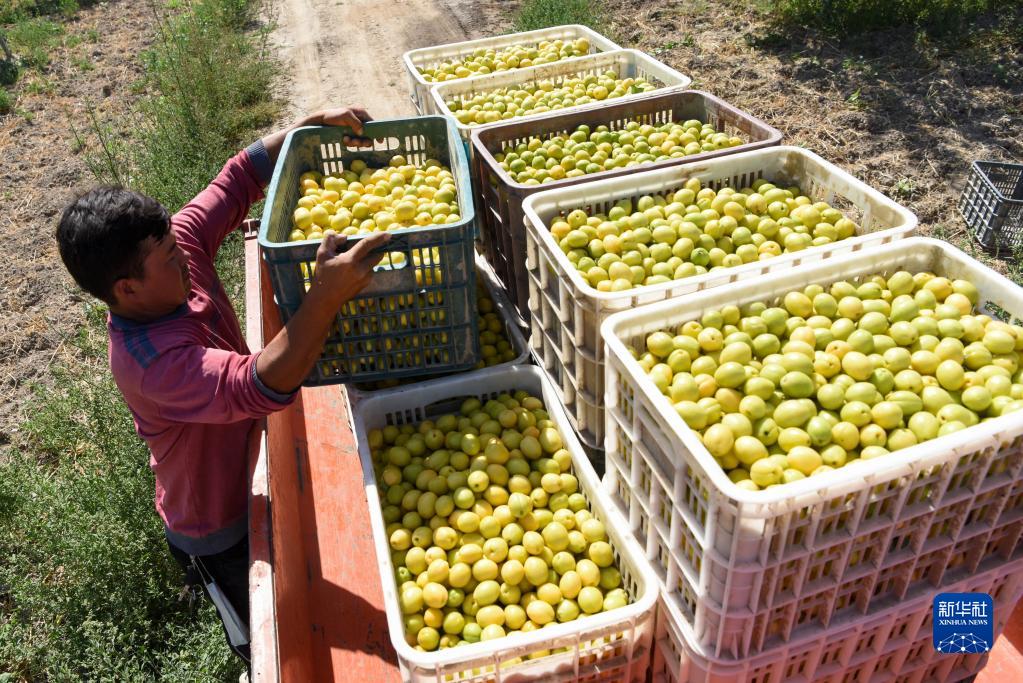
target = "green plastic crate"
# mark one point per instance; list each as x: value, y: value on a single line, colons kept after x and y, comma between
x: 407, y: 322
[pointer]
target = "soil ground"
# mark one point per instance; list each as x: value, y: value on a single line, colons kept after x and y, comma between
x: 344, y: 53
x: 41, y: 169
x: 907, y: 116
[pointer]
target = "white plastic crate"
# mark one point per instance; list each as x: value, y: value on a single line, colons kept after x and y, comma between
x: 611, y: 646
x: 892, y: 645
x: 585, y: 410
x: 626, y: 63
x: 739, y: 562
x: 422, y: 57
x: 513, y: 328
x: 566, y: 311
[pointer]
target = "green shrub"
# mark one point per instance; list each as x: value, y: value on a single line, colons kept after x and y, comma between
x: 534, y: 14
x: 32, y: 40
x: 860, y: 16
x: 213, y: 83
x: 14, y: 10
x: 92, y: 589
x: 6, y: 101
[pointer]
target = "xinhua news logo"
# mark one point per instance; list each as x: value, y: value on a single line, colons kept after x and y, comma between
x: 963, y: 623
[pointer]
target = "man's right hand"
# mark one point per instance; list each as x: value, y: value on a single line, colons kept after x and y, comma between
x: 341, y: 276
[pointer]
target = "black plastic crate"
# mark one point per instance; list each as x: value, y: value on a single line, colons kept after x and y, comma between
x: 418, y: 315
x: 992, y: 205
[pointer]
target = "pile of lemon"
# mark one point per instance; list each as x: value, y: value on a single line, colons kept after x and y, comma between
x: 585, y: 151
x: 692, y: 231
x: 501, y: 104
x: 827, y: 376
x: 361, y: 199
x: 489, y: 60
x: 488, y: 530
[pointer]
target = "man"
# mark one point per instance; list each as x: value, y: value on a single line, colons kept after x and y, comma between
x: 178, y: 356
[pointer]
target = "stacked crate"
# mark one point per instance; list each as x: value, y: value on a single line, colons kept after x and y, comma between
x: 826, y: 579
x: 780, y: 584
x: 500, y: 197
x: 567, y: 311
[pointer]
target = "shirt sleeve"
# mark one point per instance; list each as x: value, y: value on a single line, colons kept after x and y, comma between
x: 197, y: 384
x: 224, y: 204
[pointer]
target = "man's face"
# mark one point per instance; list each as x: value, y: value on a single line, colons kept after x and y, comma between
x: 166, y: 282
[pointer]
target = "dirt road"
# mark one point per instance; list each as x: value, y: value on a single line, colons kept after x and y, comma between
x: 349, y: 51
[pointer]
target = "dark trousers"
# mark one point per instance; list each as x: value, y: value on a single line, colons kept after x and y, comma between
x: 230, y: 569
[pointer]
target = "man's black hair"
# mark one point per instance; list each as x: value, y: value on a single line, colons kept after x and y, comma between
x: 101, y: 235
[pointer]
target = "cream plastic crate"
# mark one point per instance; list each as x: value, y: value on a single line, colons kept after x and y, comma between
x: 737, y: 561
x: 428, y: 56
x: 892, y: 645
x: 566, y: 312
x: 626, y: 63
x: 612, y: 646
x: 513, y: 329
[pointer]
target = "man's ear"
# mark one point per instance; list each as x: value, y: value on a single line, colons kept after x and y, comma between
x: 124, y: 290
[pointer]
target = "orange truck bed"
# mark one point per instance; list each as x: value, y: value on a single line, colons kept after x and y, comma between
x: 316, y: 603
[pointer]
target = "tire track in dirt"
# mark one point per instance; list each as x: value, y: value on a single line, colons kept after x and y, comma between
x: 349, y: 51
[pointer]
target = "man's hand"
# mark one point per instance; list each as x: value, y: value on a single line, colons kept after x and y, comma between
x: 353, y: 117
x: 346, y: 274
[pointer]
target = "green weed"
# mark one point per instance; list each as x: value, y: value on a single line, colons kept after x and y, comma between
x: 665, y: 48
x: 904, y: 188
x: 40, y: 86
x: 860, y: 66
x: 687, y: 41
x: 6, y: 101
x: 534, y: 14
x: 856, y: 101
x: 1016, y: 266
x: 106, y: 161
x: 88, y: 590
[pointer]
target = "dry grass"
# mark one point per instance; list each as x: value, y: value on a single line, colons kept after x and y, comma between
x: 903, y: 112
